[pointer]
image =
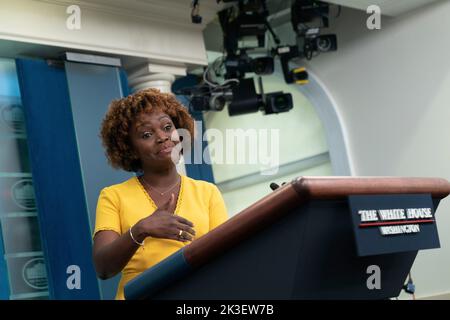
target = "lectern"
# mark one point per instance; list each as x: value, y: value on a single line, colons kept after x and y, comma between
x: 312, y: 238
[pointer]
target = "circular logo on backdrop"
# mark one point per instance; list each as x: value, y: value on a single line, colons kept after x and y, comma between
x: 22, y: 193
x: 12, y: 115
x: 34, y: 274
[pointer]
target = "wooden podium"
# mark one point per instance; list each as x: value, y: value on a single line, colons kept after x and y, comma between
x: 296, y: 243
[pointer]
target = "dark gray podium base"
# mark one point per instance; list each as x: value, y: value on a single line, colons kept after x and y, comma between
x: 309, y: 254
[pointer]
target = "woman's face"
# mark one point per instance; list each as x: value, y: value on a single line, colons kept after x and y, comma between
x: 154, y: 136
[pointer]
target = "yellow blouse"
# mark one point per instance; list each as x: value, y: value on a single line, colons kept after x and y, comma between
x: 122, y: 205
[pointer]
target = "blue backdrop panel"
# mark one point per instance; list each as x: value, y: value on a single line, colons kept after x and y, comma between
x: 124, y: 83
x: 92, y: 88
x: 4, y: 286
x: 201, y: 171
x: 57, y: 176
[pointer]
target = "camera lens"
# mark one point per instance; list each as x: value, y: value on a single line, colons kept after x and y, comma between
x: 323, y: 44
x: 326, y: 43
x: 263, y: 65
x: 217, y: 102
x: 279, y: 102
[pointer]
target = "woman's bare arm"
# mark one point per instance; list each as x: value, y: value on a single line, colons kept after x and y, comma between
x: 112, y: 251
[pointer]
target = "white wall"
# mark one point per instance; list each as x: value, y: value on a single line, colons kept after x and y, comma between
x: 238, y: 200
x: 392, y: 89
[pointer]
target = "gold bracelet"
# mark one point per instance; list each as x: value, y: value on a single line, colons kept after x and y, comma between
x: 139, y: 243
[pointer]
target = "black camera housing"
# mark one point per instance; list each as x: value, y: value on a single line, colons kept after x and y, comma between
x: 306, y: 11
x: 250, y: 22
x: 196, y: 19
x: 277, y: 102
x: 199, y: 103
x: 323, y: 43
x: 246, y: 100
x: 238, y: 66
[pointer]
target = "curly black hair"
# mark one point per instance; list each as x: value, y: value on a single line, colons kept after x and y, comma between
x: 115, y: 128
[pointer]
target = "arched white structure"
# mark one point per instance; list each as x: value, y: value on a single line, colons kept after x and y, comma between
x: 328, y: 113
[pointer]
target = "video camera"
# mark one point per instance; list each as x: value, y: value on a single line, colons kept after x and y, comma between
x: 240, y: 98
x: 310, y: 42
x: 238, y: 65
x: 246, y: 100
x: 244, y: 29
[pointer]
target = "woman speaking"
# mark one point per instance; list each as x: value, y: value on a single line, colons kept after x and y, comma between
x: 146, y: 218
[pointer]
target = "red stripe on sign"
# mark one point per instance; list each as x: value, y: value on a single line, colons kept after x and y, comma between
x: 393, y: 223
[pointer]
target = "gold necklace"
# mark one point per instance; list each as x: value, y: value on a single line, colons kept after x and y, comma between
x: 161, y: 193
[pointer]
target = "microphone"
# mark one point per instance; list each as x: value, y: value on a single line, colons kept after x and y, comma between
x: 274, y: 186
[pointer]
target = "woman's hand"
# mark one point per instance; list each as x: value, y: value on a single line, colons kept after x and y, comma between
x: 164, y: 224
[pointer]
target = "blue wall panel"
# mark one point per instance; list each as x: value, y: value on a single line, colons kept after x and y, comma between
x: 124, y: 83
x: 4, y: 285
x: 55, y: 163
x: 8, y: 88
x: 92, y: 88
